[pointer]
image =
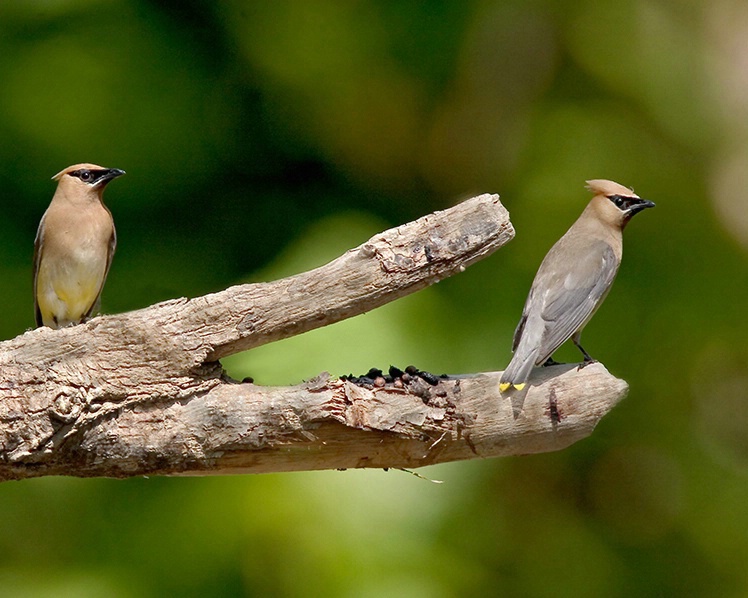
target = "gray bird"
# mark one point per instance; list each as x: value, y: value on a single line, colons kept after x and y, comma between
x: 74, y: 247
x: 572, y: 281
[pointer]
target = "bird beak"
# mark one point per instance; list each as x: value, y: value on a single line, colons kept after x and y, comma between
x: 108, y: 175
x: 640, y: 204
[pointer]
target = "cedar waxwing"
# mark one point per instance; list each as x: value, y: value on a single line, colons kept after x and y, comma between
x: 74, y: 247
x: 572, y: 281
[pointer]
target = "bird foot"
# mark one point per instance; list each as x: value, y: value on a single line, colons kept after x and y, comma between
x: 585, y: 363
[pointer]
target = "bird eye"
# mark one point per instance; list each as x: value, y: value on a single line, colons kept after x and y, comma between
x: 619, y: 200
x: 83, y: 175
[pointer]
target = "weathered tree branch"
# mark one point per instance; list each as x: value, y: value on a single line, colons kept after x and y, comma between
x: 142, y: 392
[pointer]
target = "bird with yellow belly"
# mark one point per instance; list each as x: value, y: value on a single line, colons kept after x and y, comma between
x: 74, y: 246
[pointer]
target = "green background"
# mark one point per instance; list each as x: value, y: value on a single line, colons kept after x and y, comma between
x: 264, y: 138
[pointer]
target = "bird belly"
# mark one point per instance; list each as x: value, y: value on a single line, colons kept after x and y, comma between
x: 67, y: 289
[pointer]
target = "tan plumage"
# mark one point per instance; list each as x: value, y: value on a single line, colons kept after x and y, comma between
x: 573, y: 280
x: 74, y: 246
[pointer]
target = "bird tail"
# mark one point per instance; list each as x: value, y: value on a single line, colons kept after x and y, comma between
x: 518, y: 370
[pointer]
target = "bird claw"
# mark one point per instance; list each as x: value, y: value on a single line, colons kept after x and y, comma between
x: 585, y: 363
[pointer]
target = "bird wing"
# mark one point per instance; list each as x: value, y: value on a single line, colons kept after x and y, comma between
x: 520, y: 329
x: 37, y: 258
x: 110, y: 254
x: 568, y: 305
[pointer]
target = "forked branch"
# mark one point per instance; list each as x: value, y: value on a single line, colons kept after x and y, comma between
x: 143, y: 393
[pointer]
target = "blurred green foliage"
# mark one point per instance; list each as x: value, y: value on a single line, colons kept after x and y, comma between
x: 265, y: 138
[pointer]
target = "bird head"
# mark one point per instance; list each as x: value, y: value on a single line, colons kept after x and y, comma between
x: 86, y: 178
x: 614, y: 203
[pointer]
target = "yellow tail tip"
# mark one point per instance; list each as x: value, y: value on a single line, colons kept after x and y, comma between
x: 504, y: 386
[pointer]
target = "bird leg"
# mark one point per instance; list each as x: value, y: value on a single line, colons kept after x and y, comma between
x: 549, y: 362
x: 587, y: 358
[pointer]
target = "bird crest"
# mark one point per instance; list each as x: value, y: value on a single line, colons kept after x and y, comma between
x: 607, y: 188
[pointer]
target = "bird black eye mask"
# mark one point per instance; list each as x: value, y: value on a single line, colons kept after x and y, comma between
x: 84, y: 175
x: 621, y: 201
x: 94, y: 177
x: 630, y: 204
